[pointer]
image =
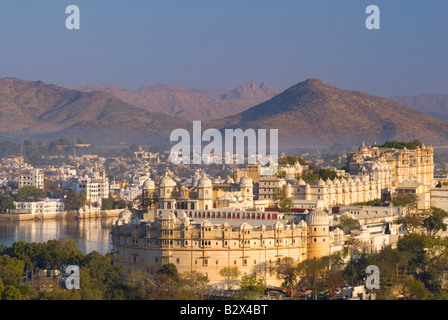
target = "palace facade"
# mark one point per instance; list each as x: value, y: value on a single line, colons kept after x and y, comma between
x: 208, y: 241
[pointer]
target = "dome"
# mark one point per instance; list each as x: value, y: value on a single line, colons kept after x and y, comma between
x: 167, y: 215
x: 321, y: 183
x: 301, y: 182
x: 166, y: 181
x: 204, y: 182
x: 317, y: 217
x: 126, y: 217
x: 149, y: 184
x: 246, y: 181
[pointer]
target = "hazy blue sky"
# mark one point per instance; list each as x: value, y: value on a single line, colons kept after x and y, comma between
x: 220, y: 44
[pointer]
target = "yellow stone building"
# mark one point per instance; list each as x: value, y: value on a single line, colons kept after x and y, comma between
x: 208, y: 241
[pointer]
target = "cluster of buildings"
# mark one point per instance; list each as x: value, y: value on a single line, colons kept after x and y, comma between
x: 208, y: 224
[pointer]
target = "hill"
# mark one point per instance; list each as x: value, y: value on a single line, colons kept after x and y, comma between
x: 308, y: 114
x: 36, y: 110
x: 435, y: 105
x: 188, y: 103
x: 313, y: 113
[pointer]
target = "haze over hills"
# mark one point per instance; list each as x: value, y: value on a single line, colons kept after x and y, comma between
x: 308, y: 114
x: 435, y: 105
x: 188, y: 103
x: 314, y: 113
x: 36, y: 110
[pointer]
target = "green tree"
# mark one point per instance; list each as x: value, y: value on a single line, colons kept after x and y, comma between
x: 312, y: 273
x: 75, y: 201
x: 120, y: 204
x: 194, y: 285
x: 325, y: 174
x: 100, y: 278
x: 308, y: 176
x: 107, y: 204
x: 250, y: 288
x: 291, y: 160
x: 29, y: 194
x: 413, y: 289
x: 11, y: 270
x: 434, y: 223
x: 230, y: 275
x: 412, y: 145
x: 6, y: 203
x: 347, y: 223
x: 287, y: 270
x: 281, y: 200
x: 11, y: 293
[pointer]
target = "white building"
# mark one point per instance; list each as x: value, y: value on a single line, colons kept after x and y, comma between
x: 33, y: 178
x: 45, y: 206
x: 96, y: 188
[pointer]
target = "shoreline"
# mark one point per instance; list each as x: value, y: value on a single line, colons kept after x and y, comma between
x: 65, y: 215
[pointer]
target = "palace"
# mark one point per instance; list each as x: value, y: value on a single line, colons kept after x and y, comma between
x: 392, y: 166
x: 208, y: 241
x: 207, y: 225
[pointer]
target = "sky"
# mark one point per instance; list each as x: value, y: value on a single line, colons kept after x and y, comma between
x: 220, y: 44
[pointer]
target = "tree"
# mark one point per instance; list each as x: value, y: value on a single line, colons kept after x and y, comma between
x: 291, y: 160
x: 325, y: 174
x: 194, y: 285
x: 434, y: 223
x: 6, y: 203
x: 107, y: 204
x: 281, y: 174
x: 100, y: 278
x: 230, y: 275
x: 347, y: 223
x: 11, y: 293
x: 287, y: 270
x: 281, y: 200
x: 29, y: 194
x: 411, y: 221
x: 313, y: 272
x: 403, y: 199
x: 75, y: 201
x: 413, y: 289
x: 308, y: 176
x: 250, y: 288
x: 412, y: 145
x: 11, y: 270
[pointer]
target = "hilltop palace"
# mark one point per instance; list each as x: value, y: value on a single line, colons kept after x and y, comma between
x: 209, y: 225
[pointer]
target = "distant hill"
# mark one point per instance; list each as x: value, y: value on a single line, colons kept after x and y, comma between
x: 34, y: 109
x: 188, y: 103
x: 313, y: 113
x: 308, y: 114
x: 435, y: 105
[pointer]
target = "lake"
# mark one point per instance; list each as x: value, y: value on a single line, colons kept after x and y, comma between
x: 89, y: 234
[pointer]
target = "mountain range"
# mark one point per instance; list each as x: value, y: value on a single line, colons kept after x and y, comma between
x: 36, y: 110
x: 188, y: 103
x: 314, y: 113
x: 309, y: 114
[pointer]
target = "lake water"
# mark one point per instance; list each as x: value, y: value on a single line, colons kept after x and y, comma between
x: 89, y: 234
